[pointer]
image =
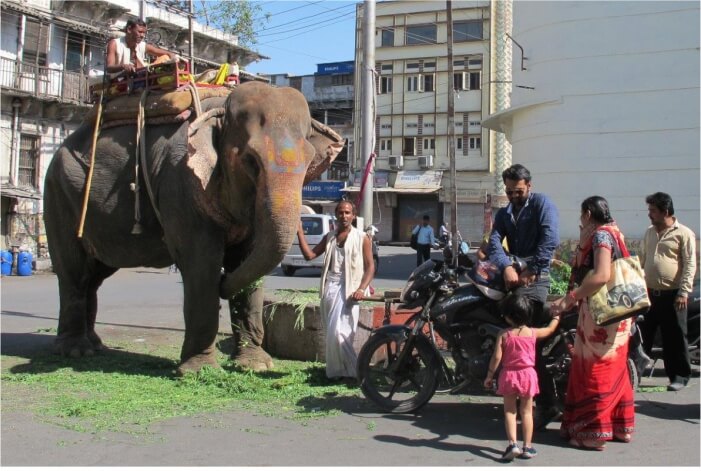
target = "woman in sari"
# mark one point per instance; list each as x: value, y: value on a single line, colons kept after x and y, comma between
x: 346, y: 276
x: 599, y: 402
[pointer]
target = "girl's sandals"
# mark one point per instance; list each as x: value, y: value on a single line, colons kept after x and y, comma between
x: 598, y: 445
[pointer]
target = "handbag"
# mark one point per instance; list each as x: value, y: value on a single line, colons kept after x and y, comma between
x: 624, y: 295
x: 414, y: 242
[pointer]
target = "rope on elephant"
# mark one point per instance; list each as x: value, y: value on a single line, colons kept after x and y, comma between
x: 196, y: 103
x: 140, y: 165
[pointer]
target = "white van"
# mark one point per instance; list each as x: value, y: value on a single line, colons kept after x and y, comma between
x: 315, y: 227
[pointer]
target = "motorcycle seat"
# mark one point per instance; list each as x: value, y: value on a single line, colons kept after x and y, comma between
x: 493, y: 294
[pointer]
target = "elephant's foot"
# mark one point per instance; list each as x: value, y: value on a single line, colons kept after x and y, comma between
x: 74, y: 346
x: 96, y: 341
x: 253, y: 357
x: 196, y: 363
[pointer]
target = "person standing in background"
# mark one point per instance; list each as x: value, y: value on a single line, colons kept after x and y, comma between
x: 425, y: 239
x: 668, y: 257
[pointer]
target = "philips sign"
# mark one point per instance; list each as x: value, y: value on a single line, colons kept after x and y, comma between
x: 332, y: 68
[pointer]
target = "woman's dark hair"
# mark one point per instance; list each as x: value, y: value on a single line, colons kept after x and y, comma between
x: 518, y: 308
x: 599, y: 209
x: 516, y: 172
x: 661, y: 201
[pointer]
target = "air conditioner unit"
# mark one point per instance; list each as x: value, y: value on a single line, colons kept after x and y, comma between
x: 396, y: 161
x: 426, y: 161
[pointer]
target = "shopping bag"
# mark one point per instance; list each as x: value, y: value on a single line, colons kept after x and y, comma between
x: 624, y: 296
x: 414, y: 243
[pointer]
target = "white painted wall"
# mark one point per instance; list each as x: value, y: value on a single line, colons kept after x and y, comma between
x: 615, y: 107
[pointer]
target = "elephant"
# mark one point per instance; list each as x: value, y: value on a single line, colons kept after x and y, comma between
x: 222, y: 202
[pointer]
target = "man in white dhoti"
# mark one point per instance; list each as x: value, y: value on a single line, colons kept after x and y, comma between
x: 347, y: 273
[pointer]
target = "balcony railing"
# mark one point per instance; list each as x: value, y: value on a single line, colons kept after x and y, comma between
x: 44, y: 82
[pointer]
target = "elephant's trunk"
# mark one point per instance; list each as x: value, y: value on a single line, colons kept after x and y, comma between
x: 277, y: 208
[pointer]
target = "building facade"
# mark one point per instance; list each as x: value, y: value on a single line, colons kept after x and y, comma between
x: 615, y: 114
x: 412, y: 134
x: 48, y: 51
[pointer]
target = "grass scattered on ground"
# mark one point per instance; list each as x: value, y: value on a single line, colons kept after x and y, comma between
x: 132, y: 386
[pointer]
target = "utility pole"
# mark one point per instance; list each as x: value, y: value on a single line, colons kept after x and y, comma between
x: 451, y: 137
x: 190, y: 19
x: 368, y: 109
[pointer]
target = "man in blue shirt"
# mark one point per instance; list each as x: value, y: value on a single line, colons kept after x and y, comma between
x: 531, y: 228
x: 425, y: 240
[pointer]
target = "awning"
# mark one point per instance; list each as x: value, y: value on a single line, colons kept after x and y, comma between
x: 11, y: 191
x: 390, y: 189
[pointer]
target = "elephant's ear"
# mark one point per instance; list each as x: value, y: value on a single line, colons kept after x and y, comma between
x: 327, y: 144
x: 201, y: 148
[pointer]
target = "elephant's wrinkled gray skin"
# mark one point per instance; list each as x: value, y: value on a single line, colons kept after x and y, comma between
x: 228, y: 196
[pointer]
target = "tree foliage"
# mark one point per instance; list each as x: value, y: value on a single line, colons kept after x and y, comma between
x: 238, y: 17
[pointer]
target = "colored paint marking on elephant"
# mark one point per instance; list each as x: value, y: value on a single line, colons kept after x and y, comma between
x: 279, y: 200
x: 287, y: 159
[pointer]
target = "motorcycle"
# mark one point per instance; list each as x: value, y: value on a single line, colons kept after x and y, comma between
x: 401, y: 366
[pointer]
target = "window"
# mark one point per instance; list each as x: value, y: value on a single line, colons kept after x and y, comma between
x: 387, y: 38
x: 475, y: 142
x: 385, y: 84
x: 459, y: 81
x: 428, y: 125
x: 429, y: 65
x: 429, y: 143
x: 342, y: 79
x: 458, y: 143
x: 428, y: 80
x: 75, y: 57
x: 474, y: 63
x: 421, y: 34
x: 420, y: 83
x: 412, y: 125
x: 386, y: 126
x: 474, y: 80
x: 386, y: 145
x: 475, y: 123
x: 412, y: 83
x: 28, y: 160
x: 409, y: 146
x: 386, y: 68
x: 412, y: 66
x: 34, y: 52
x: 467, y: 31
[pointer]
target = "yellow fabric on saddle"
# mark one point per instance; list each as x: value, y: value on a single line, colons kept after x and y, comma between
x: 158, y: 104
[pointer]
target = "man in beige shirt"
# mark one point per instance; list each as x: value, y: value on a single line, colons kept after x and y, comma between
x: 668, y: 257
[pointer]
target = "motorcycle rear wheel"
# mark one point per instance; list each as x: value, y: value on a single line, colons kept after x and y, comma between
x: 397, y: 388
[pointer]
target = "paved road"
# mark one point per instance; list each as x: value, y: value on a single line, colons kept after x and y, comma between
x: 450, y: 431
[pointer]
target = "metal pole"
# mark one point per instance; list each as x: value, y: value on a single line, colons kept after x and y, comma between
x: 451, y: 137
x: 368, y: 108
x: 191, y: 52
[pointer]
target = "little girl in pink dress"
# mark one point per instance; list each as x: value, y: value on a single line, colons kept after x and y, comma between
x: 515, y: 351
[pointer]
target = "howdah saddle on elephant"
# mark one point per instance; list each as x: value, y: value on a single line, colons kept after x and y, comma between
x: 220, y: 188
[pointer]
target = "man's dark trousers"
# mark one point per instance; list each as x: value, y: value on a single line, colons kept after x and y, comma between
x: 423, y: 253
x: 673, y: 327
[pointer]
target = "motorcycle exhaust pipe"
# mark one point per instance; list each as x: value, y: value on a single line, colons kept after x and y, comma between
x: 489, y: 329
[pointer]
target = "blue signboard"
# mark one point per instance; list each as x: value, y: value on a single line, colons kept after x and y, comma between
x: 323, y: 190
x: 332, y: 68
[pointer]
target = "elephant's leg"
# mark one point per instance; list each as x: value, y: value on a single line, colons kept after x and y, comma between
x: 78, y: 285
x: 246, y: 309
x: 201, y: 310
x: 102, y: 272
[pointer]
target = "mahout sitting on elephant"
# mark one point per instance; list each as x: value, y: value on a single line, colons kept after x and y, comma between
x: 224, y: 190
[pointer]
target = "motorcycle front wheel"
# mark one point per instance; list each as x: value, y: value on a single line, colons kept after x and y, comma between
x: 393, y: 386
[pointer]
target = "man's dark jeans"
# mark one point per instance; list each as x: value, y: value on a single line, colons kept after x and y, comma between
x: 423, y: 253
x: 673, y: 327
